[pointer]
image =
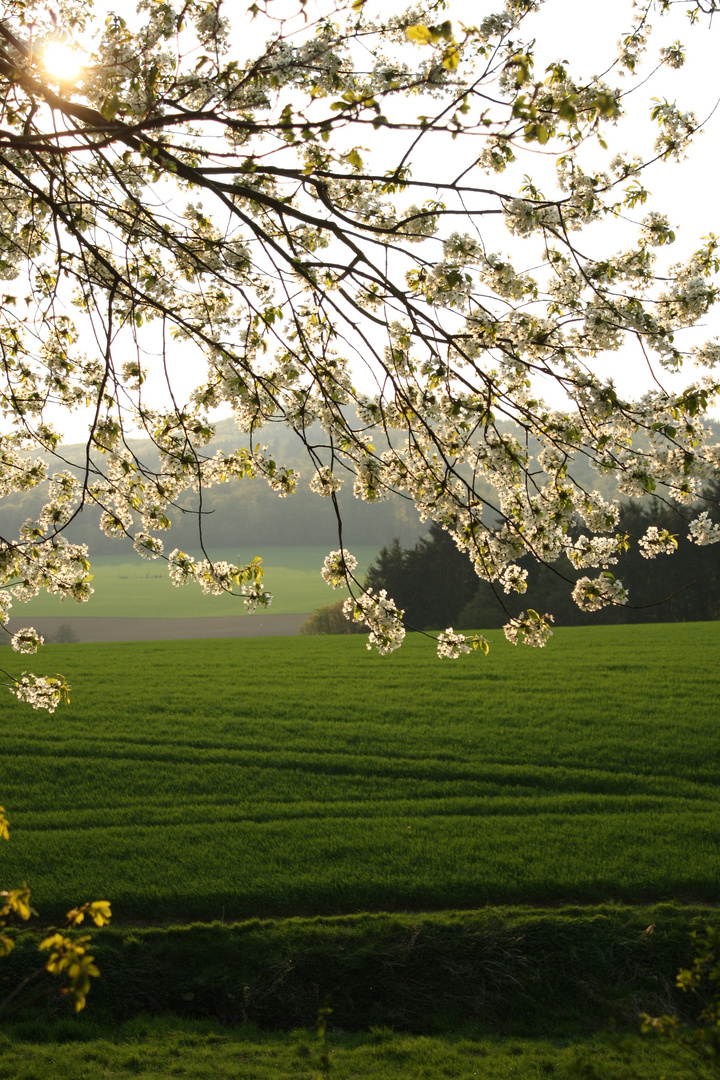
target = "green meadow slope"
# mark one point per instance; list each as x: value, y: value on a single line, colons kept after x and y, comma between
x: 228, y: 779
x: 129, y: 587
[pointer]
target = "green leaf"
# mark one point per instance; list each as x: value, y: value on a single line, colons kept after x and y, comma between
x: 451, y: 58
x: 110, y: 106
x: 419, y: 33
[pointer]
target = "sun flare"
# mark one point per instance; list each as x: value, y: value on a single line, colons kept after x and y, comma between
x: 62, y: 61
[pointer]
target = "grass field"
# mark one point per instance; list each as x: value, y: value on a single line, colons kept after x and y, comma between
x: 226, y: 779
x: 134, y: 587
x: 171, y: 1047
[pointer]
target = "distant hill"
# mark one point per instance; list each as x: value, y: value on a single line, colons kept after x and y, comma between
x: 242, y: 514
x: 248, y: 513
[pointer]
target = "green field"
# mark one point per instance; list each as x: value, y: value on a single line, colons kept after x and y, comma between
x: 132, y: 587
x: 171, y: 1047
x: 227, y: 779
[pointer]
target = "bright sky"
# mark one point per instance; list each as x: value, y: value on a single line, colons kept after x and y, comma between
x: 583, y: 32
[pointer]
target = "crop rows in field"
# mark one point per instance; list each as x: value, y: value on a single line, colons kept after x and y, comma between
x: 235, y: 778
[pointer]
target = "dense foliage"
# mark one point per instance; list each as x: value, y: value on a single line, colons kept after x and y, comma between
x: 303, y: 212
x: 434, y: 585
x: 431, y: 582
x: 508, y: 971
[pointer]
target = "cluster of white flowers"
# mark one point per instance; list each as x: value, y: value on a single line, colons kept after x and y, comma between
x: 181, y: 567
x: 283, y: 481
x: 686, y: 301
x: 677, y: 129
x: 451, y: 645
x: 27, y: 640
x: 593, y: 551
x: 703, y: 531
x: 514, y: 578
x: 255, y: 596
x: 684, y: 491
x: 503, y: 278
x: 524, y: 217
x: 655, y: 230
x: 324, y: 482
x: 599, y: 515
x: 383, y: 618
x: 116, y: 522
x: 633, y: 45
x: 150, y: 547
x: 496, y: 158
x: 369, y: 480
x: 673, y: 55
x: 707, y: 355
x: 531, y: 628
x: 216, y: 578
x: 30, y: 565
x: 5, y: 605
x: 591, y: 594
x: 656, y: 542
x: 337, y: 567
x: 39, y: 692
x: 63, y: 495
x: 463, y: 249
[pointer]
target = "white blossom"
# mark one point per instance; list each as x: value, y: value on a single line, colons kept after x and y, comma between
x: 656, y: 542
x: 707, y: 355
x: 591, y: 594
x: 381, y: 616
x: 673, y: 55
x: 593, y: 551
x: 255, y: 596
x: 27, y: 640
x: 116, y: 522
x: 5, y: 605
x: 450, y: 645
x: 655, y: 230
x: 530, y: 629
x: 181, y: 567
x: 215, y: 578
x: 324, y: 482
x: 150, y: 547
x: 514, y: 578
x: 39, y: 692
x: 337, y: 567
x: 703, y: 531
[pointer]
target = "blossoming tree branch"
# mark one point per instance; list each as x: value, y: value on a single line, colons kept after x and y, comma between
x: 316, y: 230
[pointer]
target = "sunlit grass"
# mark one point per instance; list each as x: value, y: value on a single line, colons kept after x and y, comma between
x: 167, y: 1047
x: 235, y: 778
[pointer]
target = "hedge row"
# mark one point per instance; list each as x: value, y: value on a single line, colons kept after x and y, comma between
x: 505, y: 971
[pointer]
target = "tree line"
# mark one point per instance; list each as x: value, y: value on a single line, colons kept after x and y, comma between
x: 436, y: 586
